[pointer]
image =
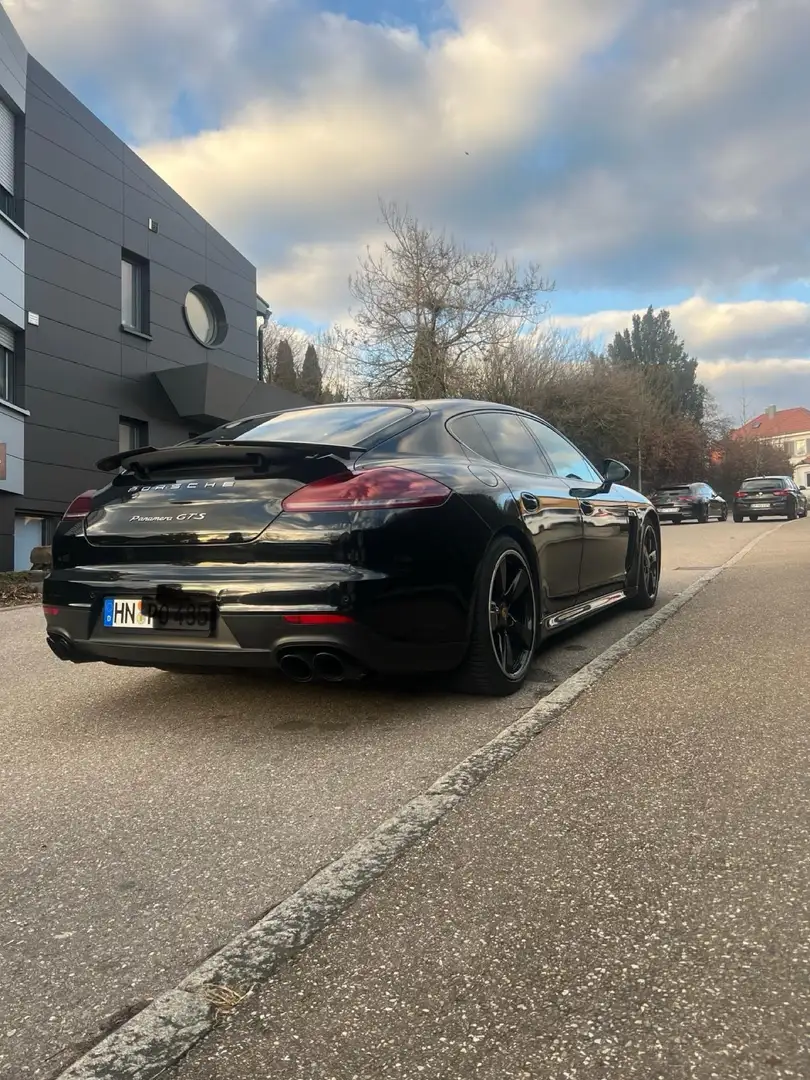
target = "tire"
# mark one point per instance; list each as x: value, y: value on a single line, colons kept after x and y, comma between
x: 723, y: 514
x: 792, y: 512
x: 649, y: 571
x: 488, y: 670
x: 738, y: 518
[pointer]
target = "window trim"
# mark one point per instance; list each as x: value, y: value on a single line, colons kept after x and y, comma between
x: 136, y: 425
x: 140, y: 294
x: 7, y: 373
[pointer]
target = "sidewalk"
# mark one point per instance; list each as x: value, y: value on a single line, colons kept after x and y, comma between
x: 629, y: 898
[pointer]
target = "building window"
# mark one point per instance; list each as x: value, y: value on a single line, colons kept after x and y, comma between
x: 205, y: 316
x: 8, y: 123
x: 7, y: 363
x: 132, y: 434
x: 134, y: 293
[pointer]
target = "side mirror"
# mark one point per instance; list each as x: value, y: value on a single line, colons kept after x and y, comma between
x: 614, y: 472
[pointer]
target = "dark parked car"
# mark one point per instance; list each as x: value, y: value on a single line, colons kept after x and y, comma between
x: 342, y: 539
x: 769, y: 496
x: 689, y: 502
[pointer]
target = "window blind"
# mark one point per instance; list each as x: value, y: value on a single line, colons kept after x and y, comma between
x: 7, y: 148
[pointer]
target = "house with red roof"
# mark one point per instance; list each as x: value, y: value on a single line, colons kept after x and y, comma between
x: 789, y: 428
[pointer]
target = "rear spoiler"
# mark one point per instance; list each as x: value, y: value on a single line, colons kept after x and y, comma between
x: 149, y: 459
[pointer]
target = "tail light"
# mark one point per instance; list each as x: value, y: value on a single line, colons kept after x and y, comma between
x: 686, y: 498
x: 740, y: 494
x: 781, y: 491
x: 80, y: 507
x: 385, y: 488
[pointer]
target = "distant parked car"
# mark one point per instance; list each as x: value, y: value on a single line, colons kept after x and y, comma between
x: 689, y: 502
x: 769, y: 496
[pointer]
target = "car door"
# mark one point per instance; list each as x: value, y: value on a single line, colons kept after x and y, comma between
x: 551, y: 515
x: 716, y: 502
x: 605, y: 516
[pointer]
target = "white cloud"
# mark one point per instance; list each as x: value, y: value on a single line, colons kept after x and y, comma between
x: 750, y: 329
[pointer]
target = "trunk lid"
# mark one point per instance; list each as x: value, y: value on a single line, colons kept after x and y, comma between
x: 223, y: 493
x: 674, y: 496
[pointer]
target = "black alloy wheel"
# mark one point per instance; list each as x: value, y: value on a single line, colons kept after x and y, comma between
x: 505, y: 623
x: 723, y: 514
x: 649, y: 570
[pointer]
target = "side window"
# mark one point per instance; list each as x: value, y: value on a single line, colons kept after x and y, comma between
x: 468, y: 431
x: 565, y: 459
x: 511, y: 442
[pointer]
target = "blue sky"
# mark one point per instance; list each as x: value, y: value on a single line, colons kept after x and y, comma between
x: 643, y: 151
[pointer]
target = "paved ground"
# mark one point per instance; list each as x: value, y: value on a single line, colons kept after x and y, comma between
x: 146, y: 818
x: 629, y: 898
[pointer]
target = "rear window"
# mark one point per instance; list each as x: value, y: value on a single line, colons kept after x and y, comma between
x: 342, y: 425
x: 764, y: 483
x: 674, y: 491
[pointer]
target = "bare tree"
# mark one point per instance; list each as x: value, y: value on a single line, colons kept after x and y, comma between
x: 429, y: 310
x: 274, y: 334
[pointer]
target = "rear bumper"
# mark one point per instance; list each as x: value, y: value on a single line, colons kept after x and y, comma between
x: 391, y: 628
x: 689, y: 513
x: 775, y: 508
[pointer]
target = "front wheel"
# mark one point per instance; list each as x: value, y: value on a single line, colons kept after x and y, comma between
x: 505, y: 623
x: 649, y: 570
x: 723, y: 514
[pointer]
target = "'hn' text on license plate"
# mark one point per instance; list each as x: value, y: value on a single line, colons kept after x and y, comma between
x: 152, y: 615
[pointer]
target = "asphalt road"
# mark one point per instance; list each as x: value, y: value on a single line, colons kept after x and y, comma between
x: 146, y: 818
x: 628, y: 899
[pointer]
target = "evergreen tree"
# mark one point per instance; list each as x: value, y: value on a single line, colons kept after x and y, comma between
x: 285, y: 374
x: 310, y: 385
x: 652, y: 346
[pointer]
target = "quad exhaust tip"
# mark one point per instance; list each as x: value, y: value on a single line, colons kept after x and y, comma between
x: 323, y: 665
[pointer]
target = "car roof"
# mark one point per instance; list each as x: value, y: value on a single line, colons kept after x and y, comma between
x: 440, y: 406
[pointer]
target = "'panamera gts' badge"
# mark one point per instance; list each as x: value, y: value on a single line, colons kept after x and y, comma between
x: 167, y: 517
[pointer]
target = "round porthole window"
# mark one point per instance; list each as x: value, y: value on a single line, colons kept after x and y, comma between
x: 205, y: 316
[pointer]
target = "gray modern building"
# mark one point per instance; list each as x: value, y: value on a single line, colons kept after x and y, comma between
x: 125, y: 318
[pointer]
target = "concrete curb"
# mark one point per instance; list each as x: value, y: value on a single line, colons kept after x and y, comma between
x: 168, y: 1028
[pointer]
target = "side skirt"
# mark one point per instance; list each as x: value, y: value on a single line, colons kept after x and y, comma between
x: 582, y: 611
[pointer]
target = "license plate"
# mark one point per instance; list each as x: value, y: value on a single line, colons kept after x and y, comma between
x: 667, y: 510
x: 128, y: 614
x: 760, y: 506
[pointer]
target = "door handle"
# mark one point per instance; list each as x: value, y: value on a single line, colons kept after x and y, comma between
x: 530, y: 502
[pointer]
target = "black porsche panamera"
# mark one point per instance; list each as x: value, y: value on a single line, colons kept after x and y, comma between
x: 340, y: 540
